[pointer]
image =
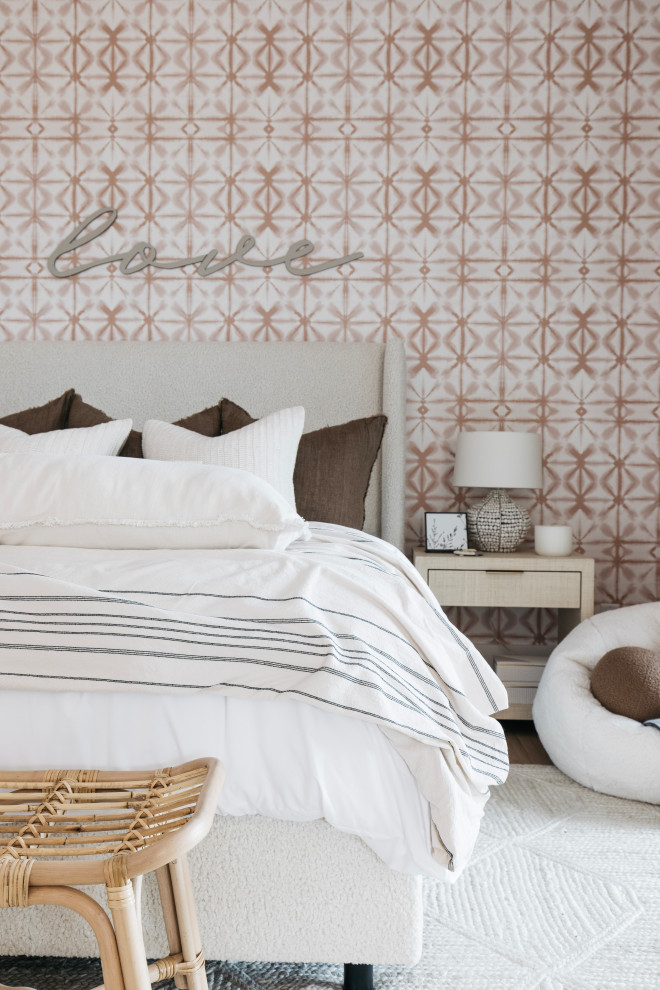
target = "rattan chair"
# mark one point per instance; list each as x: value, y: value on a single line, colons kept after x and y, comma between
x: 63, y: 828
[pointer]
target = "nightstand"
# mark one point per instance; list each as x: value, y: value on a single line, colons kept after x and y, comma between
x: 513, y: 580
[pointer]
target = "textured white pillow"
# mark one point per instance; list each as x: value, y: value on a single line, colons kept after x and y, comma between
x: 127, y: 502
x: 266, y: 448
x: 106, y: 438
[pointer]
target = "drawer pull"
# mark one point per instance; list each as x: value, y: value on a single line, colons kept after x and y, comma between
x: 507, y: 571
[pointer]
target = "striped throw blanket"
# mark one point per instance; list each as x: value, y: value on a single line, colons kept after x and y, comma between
x: 342, y: 622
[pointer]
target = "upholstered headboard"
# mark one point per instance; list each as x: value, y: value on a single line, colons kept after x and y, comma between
x: 167, y: 380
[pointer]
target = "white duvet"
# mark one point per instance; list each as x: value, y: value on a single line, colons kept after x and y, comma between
x: 396, y: 712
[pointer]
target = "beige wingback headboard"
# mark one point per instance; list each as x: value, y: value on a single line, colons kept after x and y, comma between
x: 168, y: 380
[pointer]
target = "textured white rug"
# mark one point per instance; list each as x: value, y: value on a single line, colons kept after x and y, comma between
x: 562, y: 893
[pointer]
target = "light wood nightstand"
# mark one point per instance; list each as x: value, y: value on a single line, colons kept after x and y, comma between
x: 513, y: 580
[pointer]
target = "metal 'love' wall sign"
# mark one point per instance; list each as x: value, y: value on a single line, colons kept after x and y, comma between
x: 142, y: 254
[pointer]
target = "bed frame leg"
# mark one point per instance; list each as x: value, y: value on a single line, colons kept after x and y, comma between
x: 358, y: 976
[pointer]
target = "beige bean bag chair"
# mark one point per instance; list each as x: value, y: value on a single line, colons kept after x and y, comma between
x: 609, y: 752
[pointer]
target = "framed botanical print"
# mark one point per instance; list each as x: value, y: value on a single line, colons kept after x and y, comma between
x: 445, y: 531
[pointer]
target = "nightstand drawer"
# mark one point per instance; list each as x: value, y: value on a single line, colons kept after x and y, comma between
x: 524, y: 589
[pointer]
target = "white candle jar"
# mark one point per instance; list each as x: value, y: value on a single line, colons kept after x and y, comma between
x: 553, y: 541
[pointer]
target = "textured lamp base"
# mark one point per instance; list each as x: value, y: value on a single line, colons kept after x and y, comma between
x: 497, y: 524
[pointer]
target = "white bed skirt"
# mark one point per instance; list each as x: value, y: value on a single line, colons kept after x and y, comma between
x: 266, y: 891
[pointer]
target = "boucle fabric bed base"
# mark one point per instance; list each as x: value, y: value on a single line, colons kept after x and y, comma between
x: 277, y: 892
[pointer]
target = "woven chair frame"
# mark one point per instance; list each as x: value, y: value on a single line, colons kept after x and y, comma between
x: 63, y: 828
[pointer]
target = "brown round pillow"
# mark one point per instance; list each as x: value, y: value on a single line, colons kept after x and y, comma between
x: 626, y: 681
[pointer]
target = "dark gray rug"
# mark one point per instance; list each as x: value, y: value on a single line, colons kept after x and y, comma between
x: 45, y: 973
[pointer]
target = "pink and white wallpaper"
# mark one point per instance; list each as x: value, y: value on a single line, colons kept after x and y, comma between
x: 497, y: 162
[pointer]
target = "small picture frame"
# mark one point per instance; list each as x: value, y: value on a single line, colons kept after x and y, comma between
x: 445, y: 531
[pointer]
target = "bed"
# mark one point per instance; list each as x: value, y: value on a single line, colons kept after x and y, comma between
x: 319, y: 880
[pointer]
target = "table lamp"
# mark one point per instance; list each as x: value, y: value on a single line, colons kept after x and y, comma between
x: 497, y: 460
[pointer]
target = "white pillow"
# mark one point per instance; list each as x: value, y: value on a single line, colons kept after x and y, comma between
x: 106, y: 438
x: 127, y: 502
x: 267, y: 448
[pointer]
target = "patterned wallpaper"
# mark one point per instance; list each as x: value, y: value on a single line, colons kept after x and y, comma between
x: 497, y: 162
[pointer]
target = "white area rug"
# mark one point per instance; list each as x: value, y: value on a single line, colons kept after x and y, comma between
x: 562, y: 893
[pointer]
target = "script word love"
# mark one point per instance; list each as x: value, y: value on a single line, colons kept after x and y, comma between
x: 143, y: 255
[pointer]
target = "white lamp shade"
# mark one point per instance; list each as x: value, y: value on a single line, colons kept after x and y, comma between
x: 498, y: 459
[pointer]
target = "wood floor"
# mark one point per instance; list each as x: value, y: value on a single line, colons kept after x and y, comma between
x: 524, y: 745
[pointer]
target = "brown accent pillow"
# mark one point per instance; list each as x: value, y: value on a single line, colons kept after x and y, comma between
x: 333, y: 466
x: 206, y: 422
x: 42, y: 419
x: 626, y: 681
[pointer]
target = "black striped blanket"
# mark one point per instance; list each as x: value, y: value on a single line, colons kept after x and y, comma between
x: 342, y: 622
